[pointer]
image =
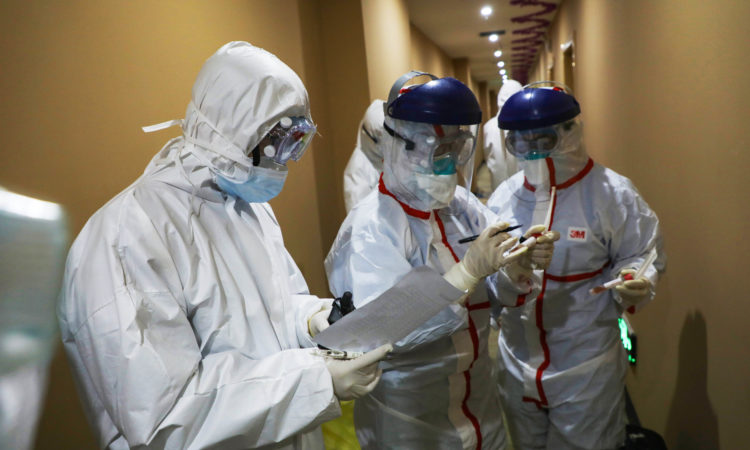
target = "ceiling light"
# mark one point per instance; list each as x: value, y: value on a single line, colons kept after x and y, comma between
x: 498, y: 53
x: 503, y: 72
x: 494, y: 37
x: 486, y: 11
x: 501, y: 64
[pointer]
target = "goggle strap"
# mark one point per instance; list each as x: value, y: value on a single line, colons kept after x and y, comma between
x: 389, y: 130
x: 374, y: 139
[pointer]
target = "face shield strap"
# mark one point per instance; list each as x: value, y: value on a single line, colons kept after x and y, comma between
x: 396, y: 88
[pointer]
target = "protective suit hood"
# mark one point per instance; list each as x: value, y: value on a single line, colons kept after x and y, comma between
x: 508, y: 88
x: 372, y: 136
x: 241, y: 92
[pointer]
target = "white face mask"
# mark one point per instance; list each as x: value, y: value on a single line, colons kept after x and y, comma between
x: 437, y: 191
x: 264, y: 183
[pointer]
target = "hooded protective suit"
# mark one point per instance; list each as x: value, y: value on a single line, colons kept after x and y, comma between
x: 562, y: 365
x: 437, y: 389
x: 501, y: 164
x: 182, y: 312
x: 363, y: 170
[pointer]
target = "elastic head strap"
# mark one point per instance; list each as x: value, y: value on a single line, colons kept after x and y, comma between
x: 396, y: 88
x: 256, y: 155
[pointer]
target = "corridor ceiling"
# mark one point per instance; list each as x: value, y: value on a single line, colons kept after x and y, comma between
x: 455, y: 26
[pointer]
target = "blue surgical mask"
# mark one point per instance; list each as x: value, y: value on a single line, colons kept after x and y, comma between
x: 262, y: 185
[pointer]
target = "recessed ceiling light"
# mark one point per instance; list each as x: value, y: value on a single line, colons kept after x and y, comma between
x: 501, y: 64
x: 503, y: 72
x: 494, y: 37
x: 498, y: 53
x: 486, y: 11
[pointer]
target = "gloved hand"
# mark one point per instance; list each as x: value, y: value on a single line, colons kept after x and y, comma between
x: 318, y: 321
x: 633, y: 292
x: 484, y: 257
x: 539, y: 255
x: 353, y: 378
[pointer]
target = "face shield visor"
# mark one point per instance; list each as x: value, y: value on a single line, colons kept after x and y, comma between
x: 442, y: 150
x: 287, y: 140
x: 537, y: 143
x: 428, y: 161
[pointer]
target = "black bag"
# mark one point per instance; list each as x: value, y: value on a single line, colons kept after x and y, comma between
x: 341, y: 307
x: 639, y: 438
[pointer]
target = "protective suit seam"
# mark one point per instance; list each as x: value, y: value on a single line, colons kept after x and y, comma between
x: 128, y: 278
x: 297, y: 369
x: 93, y: 313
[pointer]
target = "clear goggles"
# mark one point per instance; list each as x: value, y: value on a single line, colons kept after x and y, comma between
x: 287, y: 140
x: 445, y: 152
x: 535, y: 143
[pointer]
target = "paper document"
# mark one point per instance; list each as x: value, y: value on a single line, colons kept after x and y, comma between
x: 416, y: 298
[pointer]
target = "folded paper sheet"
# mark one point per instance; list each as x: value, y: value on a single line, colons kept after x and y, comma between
x: 412, y: 301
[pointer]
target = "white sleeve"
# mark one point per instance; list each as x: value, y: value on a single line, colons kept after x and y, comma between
x: 632, y: 230
x: 306, y: 305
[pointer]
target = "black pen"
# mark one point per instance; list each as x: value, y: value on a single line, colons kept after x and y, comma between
x: 505, y: 230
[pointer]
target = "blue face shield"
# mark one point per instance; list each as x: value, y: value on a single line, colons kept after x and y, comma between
x: 263, y: 184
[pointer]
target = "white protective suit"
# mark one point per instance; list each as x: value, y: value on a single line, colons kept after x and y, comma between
x: 502, y: 165
x: 182, y: 312
x: 363, y: 169
x: 562, y: 365
x: 437, y: 390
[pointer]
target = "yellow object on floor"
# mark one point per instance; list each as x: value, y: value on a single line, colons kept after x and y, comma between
x: 339, y: 434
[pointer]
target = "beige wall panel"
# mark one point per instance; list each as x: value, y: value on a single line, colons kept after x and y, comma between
x: 662, y: 89
x: 334, y: 52
x: 428, y: 57
x: 387, y: 40
x: 492, y: 94
x: 484, y: 100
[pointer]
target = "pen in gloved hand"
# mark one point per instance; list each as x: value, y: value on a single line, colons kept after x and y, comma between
x: 472, y: 238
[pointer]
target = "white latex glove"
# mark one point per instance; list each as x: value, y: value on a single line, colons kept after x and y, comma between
x: 540, y: 251
x: 353, y: 378
x: 633, y: 292
x: 484, y: 257
x: 318, y: 321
